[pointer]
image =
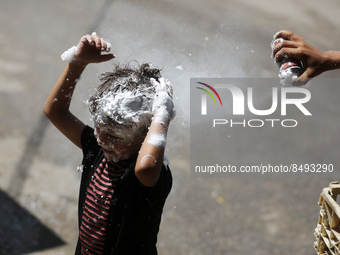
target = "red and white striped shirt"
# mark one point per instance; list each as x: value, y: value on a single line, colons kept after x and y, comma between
x: 96, y: 210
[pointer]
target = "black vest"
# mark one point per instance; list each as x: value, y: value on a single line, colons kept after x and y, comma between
x: 136, y: 210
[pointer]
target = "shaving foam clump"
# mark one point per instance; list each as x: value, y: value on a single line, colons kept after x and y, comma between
x: 68, y: 55
x: 126, y: 97
x: 163, y: 103
x: 158, y: 140
x: 125, y: 108
x: 287, y: 77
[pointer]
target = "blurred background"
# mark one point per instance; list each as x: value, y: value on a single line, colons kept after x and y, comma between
x: 188, y: 39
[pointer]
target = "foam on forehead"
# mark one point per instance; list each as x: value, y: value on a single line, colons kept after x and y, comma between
x: 125, y: 108
x: 125, y: 97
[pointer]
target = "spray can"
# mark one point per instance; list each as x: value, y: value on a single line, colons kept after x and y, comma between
x: 289, y: 68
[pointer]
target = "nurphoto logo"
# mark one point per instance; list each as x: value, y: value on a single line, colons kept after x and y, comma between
x: 247, y: 127
x: 204, y: 97
x: 241, y: 101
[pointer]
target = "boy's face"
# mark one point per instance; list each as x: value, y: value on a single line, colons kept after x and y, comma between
x: 118, y: 142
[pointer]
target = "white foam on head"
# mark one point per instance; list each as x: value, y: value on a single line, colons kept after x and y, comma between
x: 126, y: 113
x: 124, y: 108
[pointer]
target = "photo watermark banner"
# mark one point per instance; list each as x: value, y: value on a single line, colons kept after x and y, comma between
x: 248, y: 127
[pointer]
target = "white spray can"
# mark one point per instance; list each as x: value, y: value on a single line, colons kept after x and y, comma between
x: 289, y: 68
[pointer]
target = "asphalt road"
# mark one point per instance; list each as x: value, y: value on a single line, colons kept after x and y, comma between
x: 39, y: 183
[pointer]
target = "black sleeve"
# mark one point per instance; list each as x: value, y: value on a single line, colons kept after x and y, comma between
x: 159, y: 192
x: 88, y: 141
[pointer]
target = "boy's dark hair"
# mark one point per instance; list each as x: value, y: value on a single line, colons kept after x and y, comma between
x: 124, y: 77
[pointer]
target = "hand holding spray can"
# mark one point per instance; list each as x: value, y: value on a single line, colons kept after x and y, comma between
x: 289, y: 68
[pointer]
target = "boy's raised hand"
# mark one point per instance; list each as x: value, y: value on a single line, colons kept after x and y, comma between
x: 163, y: 97
x: 89, y: 50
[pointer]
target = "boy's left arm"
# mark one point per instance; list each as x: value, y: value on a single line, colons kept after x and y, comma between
x: 150, y: 159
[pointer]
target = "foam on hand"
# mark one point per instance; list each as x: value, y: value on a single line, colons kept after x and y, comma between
x: 68, y: 55
x: 163, y: 103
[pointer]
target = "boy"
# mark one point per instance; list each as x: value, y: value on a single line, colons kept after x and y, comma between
x: 124, y: 182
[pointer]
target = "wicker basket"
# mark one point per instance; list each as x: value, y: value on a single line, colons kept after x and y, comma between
x: 327, y: 232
